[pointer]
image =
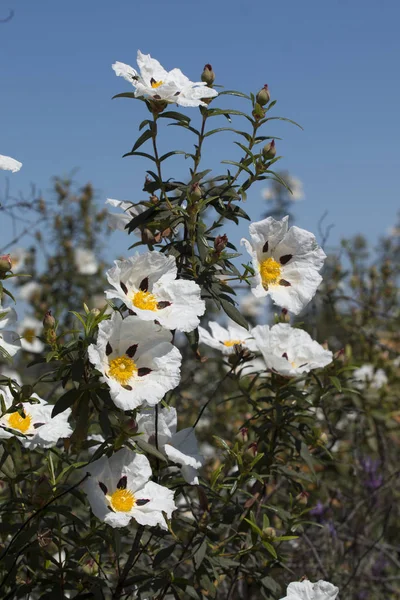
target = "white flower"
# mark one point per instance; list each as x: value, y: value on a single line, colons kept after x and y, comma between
x: 250, y: 306
x: 18, y: 259
x: 295, y: 185
x: 137, y: 360
x: 180, y: 447
x: 119, y: 489
x: 129, y: 211
x: 9, y: 164
x: 305, y: 590
x: 147, y: 284
x: 290, y: 351
x: 157, y: 83
x: 9, y: 340
x: 85, y: 261
x: 29, y: 290
x: 286, y: 263
x: 226, y: 339
x: 28, y: 330
x: 33, y: 424
x: 366, y: 376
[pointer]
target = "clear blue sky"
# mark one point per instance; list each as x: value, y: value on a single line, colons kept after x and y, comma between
x: 332, y: 65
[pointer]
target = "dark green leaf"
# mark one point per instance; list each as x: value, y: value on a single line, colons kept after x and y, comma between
x: 233, y: 313
x: 65, y: 401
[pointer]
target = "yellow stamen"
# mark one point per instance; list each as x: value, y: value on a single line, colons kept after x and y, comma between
x: 144, y: 300
x: 156, y: 84
x: 29, y: 335
x: 21, y: 423
x: 230, y: 343
x: 122, y: 368
x: 270, y: 271
x: 122, y: 500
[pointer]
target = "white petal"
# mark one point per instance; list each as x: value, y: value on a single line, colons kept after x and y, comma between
x: 125, y: 71
x: 161, y: 499
x: 9, y: 164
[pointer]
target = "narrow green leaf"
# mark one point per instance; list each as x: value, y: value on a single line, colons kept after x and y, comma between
x: 65, y: 401
x: 146, y: 135
x: 233, y: 313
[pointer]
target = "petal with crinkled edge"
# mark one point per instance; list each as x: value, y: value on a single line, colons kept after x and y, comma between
x: 220, y: 336
x: 125, y: 71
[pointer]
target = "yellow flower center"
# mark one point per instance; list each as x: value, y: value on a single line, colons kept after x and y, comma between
x: 270, y: 271
x: 145, y: 300
x: 21, y: 423
x: 122, y: 500
x: 156, y: 84
x: 122, y: 369
x: 230, y: 343
x: 29, y: 335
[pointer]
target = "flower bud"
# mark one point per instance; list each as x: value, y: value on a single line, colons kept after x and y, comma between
x: 49, y: 321
x: 208, y: 75
x: 263, y: 96
x: 302, y: 498
x: 220, y: 243
x: 269, y: 533
x: 95, y: 312
x: 269, y: 150
x: 253, y: 448
x: 195, y: 192
x: 285, y: 317
x: 5, y: 263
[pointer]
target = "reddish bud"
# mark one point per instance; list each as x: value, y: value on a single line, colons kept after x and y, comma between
x: 220, y: 243
x: 263, y: 96
x: 269, y: 150
x: 49, y: 321
x: 208, y: 75
x: 5, y: 263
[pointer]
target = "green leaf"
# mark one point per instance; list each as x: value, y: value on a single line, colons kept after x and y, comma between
x: 65, y: 401
x: 336, y: 382
x: 233, y: 313
x: 172, y: 114
x: 146, y: 135
x: 144, y: 154
x: 270, y: 549
x: 140, y: 219
x: 234, y: 93
x: 239, y: 165
x: 284, y: 119
x: 149, y: 449
x: 163, y: 554
x: 200, y: 554
x: 125, y: 95
x: 168, y: 154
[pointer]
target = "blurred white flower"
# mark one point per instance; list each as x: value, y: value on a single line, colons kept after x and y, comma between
x: 148, y: 285
x: 286, y: 263
x: 295, y: 184
x: 250, y: 306
x: 85, y: 261
x: 9, y: 164
x: 9, y: 339
x: 226, y: 339
x: 156, y: 83
x: 18, y: 259
x: 290, y: 351
x: 367, y: 376
x: 179, y: 446
x: 29, y: 290
x: 32, y: 423
x: 136, y: 359
x: 29, y: 329
x: 129, y: 211
x: 305, y: 590
x: 119, y: 489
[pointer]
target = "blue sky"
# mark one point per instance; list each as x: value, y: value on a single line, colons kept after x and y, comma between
x: 332, y: 66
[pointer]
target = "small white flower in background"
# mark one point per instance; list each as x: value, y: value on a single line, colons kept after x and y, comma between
x: 180, y: 447
x: 85, y: 261
x: 18, y: 259
x: 156, y: 83
x: 286, y: 263
x: 119, y: 489
x: 129, y: 211
x: 9, y: 340
x: 305, y: 590
x: 33, y: 424
x: 250, y: 306
x: 137, y: 360
x: 29, y: 290
x: 226, y: 339
x: 9, y: 164
x: 147, y: 284
x: 28, y: 330
x: 366, y: 376
x: 295, y: 184
x: 290, y: 351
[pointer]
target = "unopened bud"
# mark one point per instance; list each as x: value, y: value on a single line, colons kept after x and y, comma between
x: 244, y: 433
x: 269, y: 533
x: 323, y: 439
x: 269, y: 150
x: 208, y: 75
x: 263, y: 96
x: 132, y: 425
x: 147, y: 236
x: 95, y: 312
x: 5, y: 263
x: 220, y: 243
x: 49, y: 321
x: 302, y: 498
x: 285, y: 317
x: 195, y: 192
x: 253, y: 448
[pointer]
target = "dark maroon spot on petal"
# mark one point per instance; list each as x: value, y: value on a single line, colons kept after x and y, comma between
x: 163, y: 304
x: 157, y: 97
x: 127, y: 387
x: 103, y: 488
x: 108, y: 349
x: 176, y: 93
x: 303, y: 365
x: 143, y: 371
x: 131, y: 350
x: 121, y: 485
x: 265, y: 247
x: 284, y: 355
x: 144, y: 284
x: 152, y: 80
x: 123, y: 287
x: 37, y: 425
x: 132, y: 313
x: 285, y: 258
x: 284, y: 283
x: 142, y: 502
